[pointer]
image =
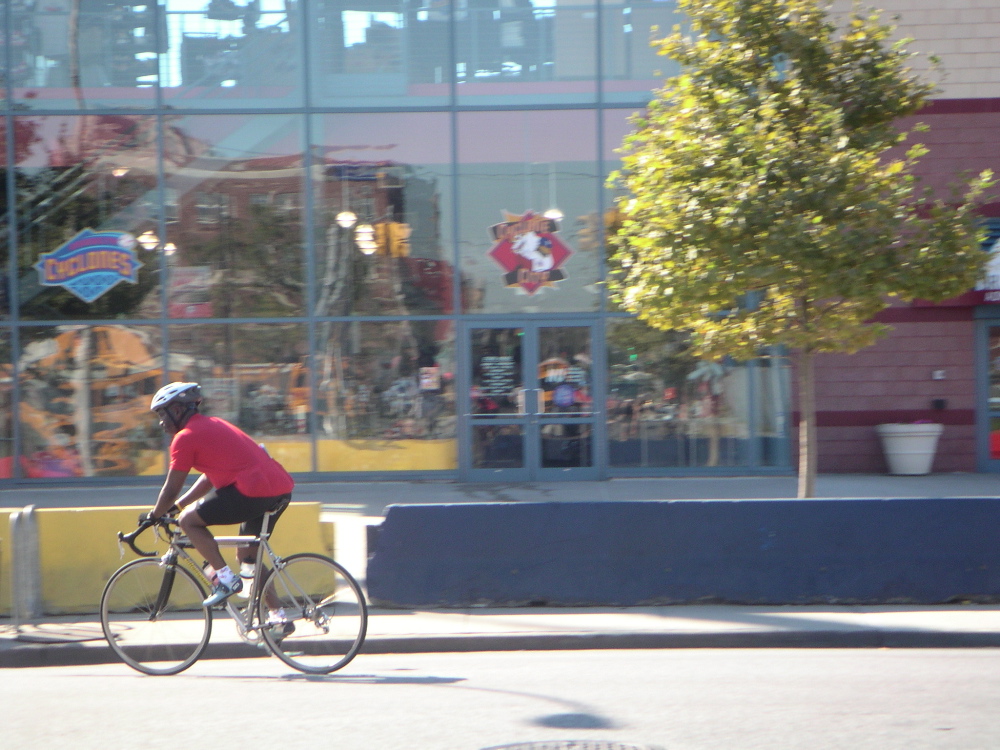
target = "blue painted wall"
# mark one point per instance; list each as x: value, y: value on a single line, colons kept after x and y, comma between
x: 631, y: 553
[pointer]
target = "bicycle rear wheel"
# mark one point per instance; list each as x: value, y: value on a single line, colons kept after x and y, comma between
x: 153, y: 618
x: 326, y: 617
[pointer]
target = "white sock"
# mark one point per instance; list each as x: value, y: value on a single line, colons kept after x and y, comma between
x: 225, y: 576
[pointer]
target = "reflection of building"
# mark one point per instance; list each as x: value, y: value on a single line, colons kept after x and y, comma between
x: 315, y: 212
x: 85, y: 402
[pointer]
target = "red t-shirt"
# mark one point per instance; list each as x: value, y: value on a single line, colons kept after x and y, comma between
x: 227, y: 455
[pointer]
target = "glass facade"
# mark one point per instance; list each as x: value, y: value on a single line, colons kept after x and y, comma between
x: 374, y: 232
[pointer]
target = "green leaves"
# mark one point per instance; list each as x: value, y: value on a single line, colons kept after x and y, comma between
x: 762, y: 168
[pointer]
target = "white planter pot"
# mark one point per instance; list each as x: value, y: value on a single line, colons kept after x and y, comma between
x: 909, y: 448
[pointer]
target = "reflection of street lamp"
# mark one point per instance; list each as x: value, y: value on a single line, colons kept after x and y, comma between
x: 346, y: 219
x: 169, y: 251
x: 365, y: 237
x: 148, y: 239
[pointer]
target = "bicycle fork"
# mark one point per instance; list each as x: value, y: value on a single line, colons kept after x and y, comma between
x: 166, y: 586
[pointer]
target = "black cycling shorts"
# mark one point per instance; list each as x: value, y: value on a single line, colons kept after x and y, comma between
x: 228, y: 505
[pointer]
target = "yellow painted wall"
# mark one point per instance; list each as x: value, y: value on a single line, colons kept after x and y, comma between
x: 386, y: 455
x: 5, y: 561
x: 367, y: 455
x: 295, y: 455
x: 78, y: 550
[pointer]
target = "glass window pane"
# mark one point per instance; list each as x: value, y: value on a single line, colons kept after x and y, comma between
x: 498, y: 447
x: 497, y: 380
x: 773, y: 418
x: 6, y: 407
x: 255, y: 376
x: 235, y: 246
x: 86, y: 192
x: 667, y: 408
x: 567, y: 446
x: 15, y: 73
x: 79, y: 54
x: 564, y: 370
x: 232, y: 54
x: 632, y: 67
x: 383, y: 207
x: 527, y: 212
x: 617, y: 125
x: 4, y: 226
x: 526, y: 52
x: 385, y: 55
x: 84, y: 401
x: 386, y: 396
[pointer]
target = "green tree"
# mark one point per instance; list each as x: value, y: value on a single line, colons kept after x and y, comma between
x: 769, y: 200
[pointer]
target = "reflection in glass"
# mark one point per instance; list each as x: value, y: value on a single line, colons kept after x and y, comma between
x: 386, y: 397
x: 497, y: 447
x: 667, y: 408
x: 567, y: 447
x: 6, y: 408
x: 519, y: 52
x: 772, y: 394
x: 514, y: 257
x: 564, y: 370
x: 564, y: 381
x: 4, y: 225
x: 235, y: 248
x: 84, y: 401
x: 382, y: 199
x: 91, y: 174
x: 632, y: 67
x: 76, y: 54
x: 497, y: 382
x: 255, y: 376
x: 390, y: 54
x: 994, y: 390
x: 231, y: 54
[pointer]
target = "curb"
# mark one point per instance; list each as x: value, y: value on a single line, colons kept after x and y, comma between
x: 59, y: 655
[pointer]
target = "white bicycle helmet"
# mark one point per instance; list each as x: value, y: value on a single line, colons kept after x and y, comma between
x: 179, y: 393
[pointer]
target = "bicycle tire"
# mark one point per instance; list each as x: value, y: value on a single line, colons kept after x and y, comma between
x: 326, y: 607
x: 156, y: 643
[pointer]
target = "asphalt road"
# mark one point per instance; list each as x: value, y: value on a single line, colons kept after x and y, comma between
x: 673, y: 700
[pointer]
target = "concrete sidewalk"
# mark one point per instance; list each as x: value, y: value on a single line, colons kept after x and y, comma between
x: 73, y: 641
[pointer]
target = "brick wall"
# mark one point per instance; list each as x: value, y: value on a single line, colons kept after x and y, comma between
x: 893, y: 381
x: 962, y: 33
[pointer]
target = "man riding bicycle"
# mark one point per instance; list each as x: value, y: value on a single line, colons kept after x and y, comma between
x: 239, y: 481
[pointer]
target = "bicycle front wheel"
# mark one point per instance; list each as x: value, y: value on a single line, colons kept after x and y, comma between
x: 325, y: 617
x: 153, y: 618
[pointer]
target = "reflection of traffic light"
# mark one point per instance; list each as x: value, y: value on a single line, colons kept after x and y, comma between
x: 135, y: 42
x: 393, y: 238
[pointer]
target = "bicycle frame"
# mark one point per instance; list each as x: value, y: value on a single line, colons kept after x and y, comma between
x: 178, y: 553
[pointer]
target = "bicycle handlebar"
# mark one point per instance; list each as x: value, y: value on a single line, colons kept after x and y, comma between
x: 144, y: 523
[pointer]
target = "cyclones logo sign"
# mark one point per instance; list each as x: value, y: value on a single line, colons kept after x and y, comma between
x: 528, y: 251
x: 90, y: 264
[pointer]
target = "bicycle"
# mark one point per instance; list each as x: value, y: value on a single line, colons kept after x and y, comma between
x: 154, y: 620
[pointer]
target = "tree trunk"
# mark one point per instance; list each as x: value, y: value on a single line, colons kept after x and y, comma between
x: 807, y: 425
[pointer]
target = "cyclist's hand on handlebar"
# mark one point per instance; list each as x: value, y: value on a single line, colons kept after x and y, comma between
x: 148, y: 519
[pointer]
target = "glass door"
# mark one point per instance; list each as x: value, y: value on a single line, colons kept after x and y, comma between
x: 530, y: 411
x: 989, y: 448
